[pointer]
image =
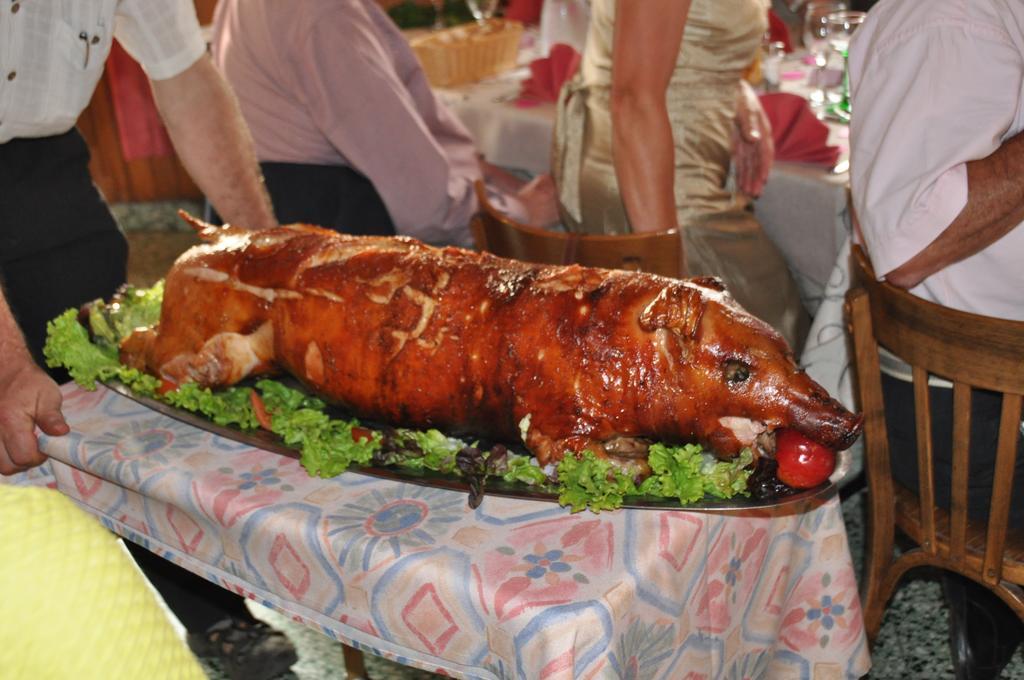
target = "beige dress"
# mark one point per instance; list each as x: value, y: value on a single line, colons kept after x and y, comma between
x: 720, y: 234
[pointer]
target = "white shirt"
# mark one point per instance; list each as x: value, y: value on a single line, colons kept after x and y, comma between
x: 936, y: 84
x: 52, y: 54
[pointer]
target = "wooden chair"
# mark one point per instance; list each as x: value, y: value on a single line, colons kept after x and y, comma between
x: 493, y: 232
x: 971, y: 351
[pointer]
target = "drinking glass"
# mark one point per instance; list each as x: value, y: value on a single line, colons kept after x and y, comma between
x: 438, y: 14
x: 816, y: 42
x: 841, y: 27
x: 482, y: 10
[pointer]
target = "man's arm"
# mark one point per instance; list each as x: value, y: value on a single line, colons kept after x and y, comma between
x: 214, y: 144
x: 995, y: 205
x: 28, y: 398
x: 934, y: 153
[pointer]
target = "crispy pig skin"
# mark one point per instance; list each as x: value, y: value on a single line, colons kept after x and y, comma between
x: 567, y: 357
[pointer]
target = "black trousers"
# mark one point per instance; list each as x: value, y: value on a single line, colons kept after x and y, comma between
x: 59, y: 245
x: 985, y: 410
x: 59, y: 248
x: 335, y: 197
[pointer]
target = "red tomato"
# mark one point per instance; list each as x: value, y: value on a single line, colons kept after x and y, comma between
x: 166, y: 386
x: 803, y: 463
x: 361, y: 433
x: 260, y: 409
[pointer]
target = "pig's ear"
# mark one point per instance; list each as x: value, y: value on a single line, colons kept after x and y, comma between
x: 711, y: 282
x: 677, y: 308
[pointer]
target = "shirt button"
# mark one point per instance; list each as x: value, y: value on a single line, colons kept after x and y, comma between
x: 12, y: 75
x: 15, y: 7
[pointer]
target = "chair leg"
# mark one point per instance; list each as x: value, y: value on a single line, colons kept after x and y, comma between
x: 878, y: 559
x: 355, y: 666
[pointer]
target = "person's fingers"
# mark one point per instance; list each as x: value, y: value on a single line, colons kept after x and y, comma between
x: 28, y: 399
x: 751, y: 183
x: 48, y: 415
x: 751, y: 132
x: 744, y: 169
x: 19, y: 449
x: 7, y: 466
x: 767, y: 149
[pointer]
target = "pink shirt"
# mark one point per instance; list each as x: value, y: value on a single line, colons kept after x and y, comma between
x: 334, y: 82
x: 936, y: 84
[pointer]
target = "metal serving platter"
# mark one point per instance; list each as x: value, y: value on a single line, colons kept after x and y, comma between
x: 495, y: 487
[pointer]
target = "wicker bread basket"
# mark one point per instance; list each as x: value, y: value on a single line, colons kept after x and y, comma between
x: 469, y: 52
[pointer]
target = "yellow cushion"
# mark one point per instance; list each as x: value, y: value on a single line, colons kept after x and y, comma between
x: 72, y: 603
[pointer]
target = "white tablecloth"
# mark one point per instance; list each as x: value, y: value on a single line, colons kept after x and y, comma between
x: 511, y: 589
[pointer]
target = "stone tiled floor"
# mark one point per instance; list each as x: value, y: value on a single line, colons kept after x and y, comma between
x: 912, y: 643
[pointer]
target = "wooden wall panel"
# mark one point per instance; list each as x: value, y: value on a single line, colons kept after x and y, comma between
x: 147, y: 179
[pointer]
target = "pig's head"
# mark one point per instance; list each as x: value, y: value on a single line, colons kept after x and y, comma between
x: 745, y: 373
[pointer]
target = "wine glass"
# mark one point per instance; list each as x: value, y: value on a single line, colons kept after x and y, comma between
x: 482, y: 10
x: 841, y: 27
x: 438, y: 14
x: 816, y: 41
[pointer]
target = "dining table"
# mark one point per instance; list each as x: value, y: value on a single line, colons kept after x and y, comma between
x: 514, y: 588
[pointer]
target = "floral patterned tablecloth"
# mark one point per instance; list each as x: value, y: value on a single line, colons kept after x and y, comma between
x: 512, y: 589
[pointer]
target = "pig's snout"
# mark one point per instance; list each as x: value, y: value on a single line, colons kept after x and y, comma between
x: 825, y: 420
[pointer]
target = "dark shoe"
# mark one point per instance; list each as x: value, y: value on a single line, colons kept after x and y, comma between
x: 983, y: 631
x: 245, y: 650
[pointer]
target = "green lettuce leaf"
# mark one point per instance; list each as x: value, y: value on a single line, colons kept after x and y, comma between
x: 231, y: 406
x: 675, y: 472
x: 523, y: 470
x: 68, y: 345
x: 725, y: 479
x: 439, y: 450
x: 592, y: 482
x: 279, y: 397
x: 688, y: 473
x: 132, y: 308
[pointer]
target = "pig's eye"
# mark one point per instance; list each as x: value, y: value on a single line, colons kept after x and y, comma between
x: 735, y: 371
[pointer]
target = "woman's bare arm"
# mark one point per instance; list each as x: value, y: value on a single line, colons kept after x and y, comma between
x: 648, y: 34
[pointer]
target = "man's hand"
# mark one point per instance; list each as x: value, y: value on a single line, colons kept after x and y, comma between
x: 28, y: 398
x: 541, y: 201
x: 500, y: 178
x: 752, y: 146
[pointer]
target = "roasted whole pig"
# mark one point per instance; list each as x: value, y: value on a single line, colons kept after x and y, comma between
x: 563, y: 357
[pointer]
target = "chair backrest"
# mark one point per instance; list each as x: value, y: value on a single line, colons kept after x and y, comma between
x: 970, y: 351
x: 494, y: 232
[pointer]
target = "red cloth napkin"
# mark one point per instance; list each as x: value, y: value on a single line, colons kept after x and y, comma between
x: 526, y: 11
x: 548, y: 74
x: 778, y: 31
x: 799, y: 136
x: 140, y: 130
